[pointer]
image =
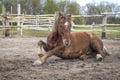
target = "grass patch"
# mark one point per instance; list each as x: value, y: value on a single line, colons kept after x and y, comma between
x: 97, y: 30
x: 82, y: 28
x: 1, y: 32
x: 113, y: 35
x: 113, y: 28
x: 28, y: 32
x: 37, y: 33
x: 44, y: 33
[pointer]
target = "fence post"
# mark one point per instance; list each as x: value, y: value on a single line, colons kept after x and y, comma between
x: 19, y: 29
x: 6, y: 31
x: 104, y: 22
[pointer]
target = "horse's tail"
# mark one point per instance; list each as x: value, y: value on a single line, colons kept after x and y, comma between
x: 106, y: 51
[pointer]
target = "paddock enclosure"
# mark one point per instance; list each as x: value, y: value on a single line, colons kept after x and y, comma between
x: 18, y: 54
x: 34, y: 25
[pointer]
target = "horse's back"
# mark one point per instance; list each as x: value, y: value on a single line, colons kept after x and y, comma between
x: 80, y: 35
x: 88, y: 35
x: 81, y: 38
x: 95, y: 39
x: 79, y: 44
x: 85, y: 39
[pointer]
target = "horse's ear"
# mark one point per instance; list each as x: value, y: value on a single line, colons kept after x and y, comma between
x: 60, y: 13
x: 69, y: 15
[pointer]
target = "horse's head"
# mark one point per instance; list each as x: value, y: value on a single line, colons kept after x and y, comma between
x: 64, y: 27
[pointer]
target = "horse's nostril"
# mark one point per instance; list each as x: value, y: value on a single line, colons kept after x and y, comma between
x: 66, y: 43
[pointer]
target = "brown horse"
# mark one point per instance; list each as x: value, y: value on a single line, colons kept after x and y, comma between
x: 53, y: 39
x: 81, y: 43
x: 74, y: 44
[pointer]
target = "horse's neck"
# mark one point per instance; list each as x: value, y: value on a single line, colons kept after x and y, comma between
x: 54, y: 39
x: 54, y: 28
x: 53, y: 36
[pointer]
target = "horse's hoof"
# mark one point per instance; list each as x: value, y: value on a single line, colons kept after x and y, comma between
x: 83, y: 57
x: 40, y: 55
x: 37, y: 63
x: 99, y: 57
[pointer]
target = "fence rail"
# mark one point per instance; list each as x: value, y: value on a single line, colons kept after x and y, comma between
x: 45, y: 22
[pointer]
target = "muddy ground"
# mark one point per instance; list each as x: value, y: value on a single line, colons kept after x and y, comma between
x: 18, y: 54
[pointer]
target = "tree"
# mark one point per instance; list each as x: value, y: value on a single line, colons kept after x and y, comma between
x: 0, y: 8
x: 27, y: 6
x: 94, y: 8
x: 50, y: 7
x: 10, y: 3
x: 31, y: 6
x: 69, y: 7
x: 74, y: 8
x: 61, y: 5
x: 117, y: 8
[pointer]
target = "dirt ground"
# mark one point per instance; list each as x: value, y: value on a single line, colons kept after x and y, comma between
x: 18, y: 54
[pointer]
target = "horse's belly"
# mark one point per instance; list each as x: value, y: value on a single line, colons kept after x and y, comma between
x: 65, y: 55
x: 70, y: 54
x: 79, y: 45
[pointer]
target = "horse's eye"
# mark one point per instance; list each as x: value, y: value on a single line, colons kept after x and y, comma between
x: 67, y: 30
x: 61, y: 17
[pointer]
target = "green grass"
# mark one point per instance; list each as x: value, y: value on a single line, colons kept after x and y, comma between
x: 109, y: 34
x: 112, y: 35
x: 113, y: 28
x: 82, y: 28
x: 42, y: 33
x: 0, y: 31
x: 37, y: 33
x: 29, y: 32
x: 96, y: 28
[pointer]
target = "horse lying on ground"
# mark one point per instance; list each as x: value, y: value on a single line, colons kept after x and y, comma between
x: 53, y: 39
x: 73, y: 44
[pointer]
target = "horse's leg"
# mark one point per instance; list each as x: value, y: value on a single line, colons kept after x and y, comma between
x: 86, y: 56
x: 48, y: 54
x: 41, y: 45
x: 98, y: 48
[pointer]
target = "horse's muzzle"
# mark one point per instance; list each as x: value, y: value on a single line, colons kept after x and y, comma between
x: 66, y: 43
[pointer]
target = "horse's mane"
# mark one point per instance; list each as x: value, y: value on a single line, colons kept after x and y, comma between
x: 53, y: 39
x: 54, y: 27
x: 54, y: 35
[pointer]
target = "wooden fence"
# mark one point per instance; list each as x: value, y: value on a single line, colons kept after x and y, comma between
x: 45, y: 22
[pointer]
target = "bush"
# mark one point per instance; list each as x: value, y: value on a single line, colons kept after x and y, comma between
x: 79, y: 20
